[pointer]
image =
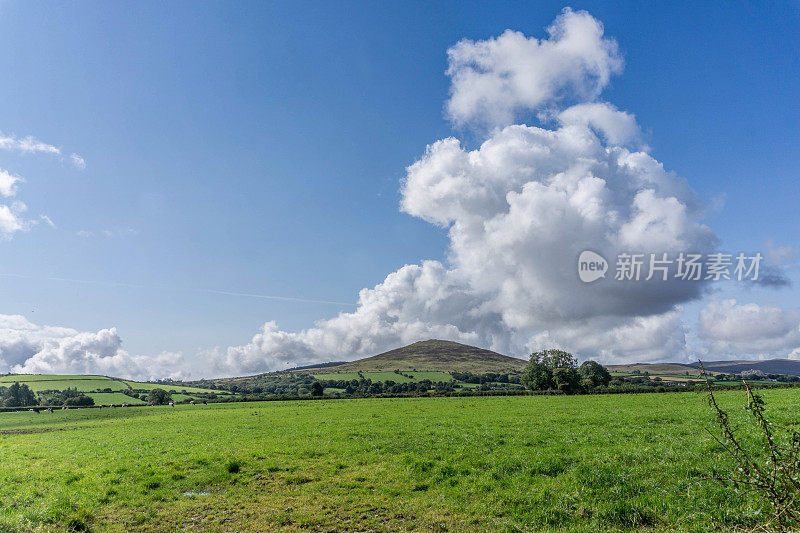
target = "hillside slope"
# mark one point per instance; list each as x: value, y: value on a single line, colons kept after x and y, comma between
x: 433, y: 355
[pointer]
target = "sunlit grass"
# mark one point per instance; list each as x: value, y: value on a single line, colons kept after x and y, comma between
x: 509, y: 463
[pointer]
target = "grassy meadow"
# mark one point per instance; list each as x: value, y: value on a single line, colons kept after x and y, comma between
x: 605, y: 462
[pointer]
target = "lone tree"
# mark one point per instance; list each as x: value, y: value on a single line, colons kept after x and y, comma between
x: 552, y: 369
x: 316, y: 389
x: 159, y: 397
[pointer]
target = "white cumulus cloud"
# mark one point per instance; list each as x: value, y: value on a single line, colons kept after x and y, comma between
x: 8, y: 183
x: 495, y: 79
x: 28, y: 348
x: 12, y: 219
x: 729, y: 328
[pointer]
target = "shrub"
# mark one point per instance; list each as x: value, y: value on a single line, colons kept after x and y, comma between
x: 80, y: 401
x: 775, y: 476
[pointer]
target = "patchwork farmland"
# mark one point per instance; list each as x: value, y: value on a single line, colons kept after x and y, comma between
x: 102, y: 389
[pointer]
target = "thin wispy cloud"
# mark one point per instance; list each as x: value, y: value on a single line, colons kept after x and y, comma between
x: 47, y: 221
x: 107, y: 233
x: 183, y: 289
x: 78, y: 161
x: 27, y: 144
x: 32, y: 145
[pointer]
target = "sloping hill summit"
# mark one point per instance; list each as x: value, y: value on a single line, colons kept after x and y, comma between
x: 431, y: 355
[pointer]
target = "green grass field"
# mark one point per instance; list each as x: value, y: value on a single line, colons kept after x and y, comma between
x: 604, y: 462
x: 135, y: 385
x: 433, y: 376
x: 113, y: 398
x: 338, y: 375
x: 117, y: 398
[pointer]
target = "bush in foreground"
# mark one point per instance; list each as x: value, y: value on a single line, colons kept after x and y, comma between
x: 774, y: 474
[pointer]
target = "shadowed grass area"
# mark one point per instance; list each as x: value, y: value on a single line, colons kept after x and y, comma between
x: 576, y: 463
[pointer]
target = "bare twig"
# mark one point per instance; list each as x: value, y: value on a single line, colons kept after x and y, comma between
x: 777, y: 477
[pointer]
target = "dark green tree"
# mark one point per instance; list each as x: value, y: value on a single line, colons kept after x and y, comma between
x: 18, y: 396
x: 594, y: 374
x: 567, y: 380
x: 544, y: 367
x: 316, y: 389
x: 81, y: 401
x: 159, y: 397
x: 537, y: 376
x: 556, y: 359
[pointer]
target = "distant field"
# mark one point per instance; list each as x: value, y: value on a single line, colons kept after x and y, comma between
x: 338, y: 375
x: 177, y: 397
x: 38, y: 383
x: 678, y: 378
x: 113, y: 398
x: 374, y: 376
x: 170, y: 388
x: 656, y: 369
x: 525, y: 463
x: 60, y: 383
x: 388, y: 376
x: 433, y: 376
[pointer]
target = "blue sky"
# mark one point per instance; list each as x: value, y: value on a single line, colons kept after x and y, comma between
x: 259, y: 149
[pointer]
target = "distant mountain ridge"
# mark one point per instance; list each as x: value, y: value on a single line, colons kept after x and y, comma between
x: 431, y: 355
x: 655, y: 368
x: 768, y: 366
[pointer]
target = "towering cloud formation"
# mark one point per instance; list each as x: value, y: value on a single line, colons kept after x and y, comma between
x: 519, y: 209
